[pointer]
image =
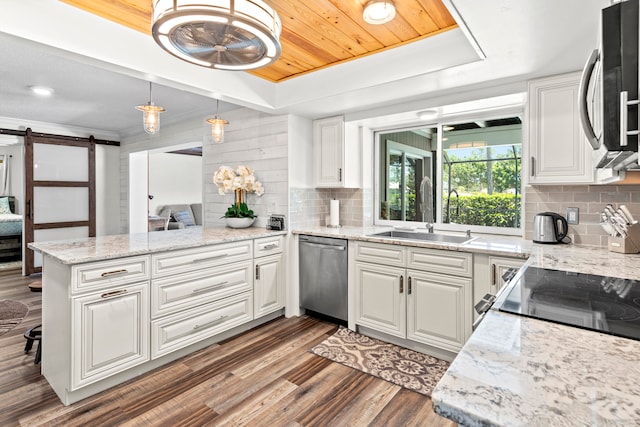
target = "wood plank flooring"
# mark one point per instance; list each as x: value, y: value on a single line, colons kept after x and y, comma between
x: 264, y: 377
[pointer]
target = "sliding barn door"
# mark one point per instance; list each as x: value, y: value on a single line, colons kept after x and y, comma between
x: 60, y: 200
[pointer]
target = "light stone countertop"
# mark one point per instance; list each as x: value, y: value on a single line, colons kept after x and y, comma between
x: 517, y: 371
x: 80, y: 250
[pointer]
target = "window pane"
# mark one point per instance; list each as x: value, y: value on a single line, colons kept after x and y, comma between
x: 481, y: 173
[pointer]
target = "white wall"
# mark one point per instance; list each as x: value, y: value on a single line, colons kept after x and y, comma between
x: 16, y: 173
x: 174, y: 178
x: 257, y: 140
x: 188, y: 133
x: 107, y: 190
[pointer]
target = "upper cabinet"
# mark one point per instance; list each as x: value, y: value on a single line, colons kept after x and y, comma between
x: 558, y: 152
x: 338, y: 158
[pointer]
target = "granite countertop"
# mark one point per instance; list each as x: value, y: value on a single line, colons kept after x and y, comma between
x: 511, y: 246
x: 88, y: 249
x: 517, y: 371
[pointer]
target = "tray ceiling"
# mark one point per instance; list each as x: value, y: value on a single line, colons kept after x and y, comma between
x: 316, y: 33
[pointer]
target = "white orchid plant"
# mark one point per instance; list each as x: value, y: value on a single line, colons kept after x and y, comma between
x: 230, y: 180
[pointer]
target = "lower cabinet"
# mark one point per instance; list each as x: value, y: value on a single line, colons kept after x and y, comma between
x: 380, y: 300
x: 179, y: 330
x: 437, y: 309
x: 110, y: 333
x: 419, y: 305
x: 488, y: 272
x: 268, y: 285
x: 108, y: 321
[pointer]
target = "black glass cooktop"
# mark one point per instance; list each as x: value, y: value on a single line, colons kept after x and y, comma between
x: 606, y: 304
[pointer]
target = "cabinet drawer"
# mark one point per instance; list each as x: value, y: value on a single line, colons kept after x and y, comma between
x: 380, y: 253
x: 267, y: 246
x: 180, y: 330
x: 175, y: 293
x: 106, y: 274
x: 438, y: 261
x: 187, y: 260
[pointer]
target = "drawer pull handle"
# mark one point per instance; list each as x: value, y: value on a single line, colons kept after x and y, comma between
x: 206, y: 325
x: 210, y: 288
x: 401, y: 283
x: 209, y: 258
x: 113, y: 293
x: 114, y: 273
x: 270, y: 246
x: 409, y: 290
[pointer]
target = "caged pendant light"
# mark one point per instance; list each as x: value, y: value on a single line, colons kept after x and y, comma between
x: 150, y: 115
x: 217, y: 125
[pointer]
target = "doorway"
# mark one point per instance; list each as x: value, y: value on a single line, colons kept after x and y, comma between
x: 165, y: 176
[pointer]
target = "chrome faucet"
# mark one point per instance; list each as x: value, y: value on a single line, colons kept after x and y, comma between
x: 453, y: 190
x: 426, y: 181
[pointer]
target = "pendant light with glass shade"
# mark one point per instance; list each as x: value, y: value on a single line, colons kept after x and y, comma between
x: 150, y: 115
x: 217, y: 125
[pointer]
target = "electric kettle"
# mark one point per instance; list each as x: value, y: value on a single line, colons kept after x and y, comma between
x: 546, y: 229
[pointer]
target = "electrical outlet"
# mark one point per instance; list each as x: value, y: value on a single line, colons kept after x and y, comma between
x: 573, y: 215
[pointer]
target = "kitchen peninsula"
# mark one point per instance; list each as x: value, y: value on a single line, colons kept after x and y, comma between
x: 114, y: 307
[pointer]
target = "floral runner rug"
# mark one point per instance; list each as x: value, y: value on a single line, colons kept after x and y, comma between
x: 406, y: 368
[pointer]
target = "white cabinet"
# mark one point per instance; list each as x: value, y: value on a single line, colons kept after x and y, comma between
x: 420, y: 294
x: 557, y: 149
x: 380, y: 304
x: 106, y: 322
x: 488, y: 272
x: 269, y: 280
x: 337, y: 154
x: 110, y: 333
x: 268, y: 287
x: 438, y: 309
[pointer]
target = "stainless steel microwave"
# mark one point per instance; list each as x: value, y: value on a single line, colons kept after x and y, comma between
x: 609, y: 89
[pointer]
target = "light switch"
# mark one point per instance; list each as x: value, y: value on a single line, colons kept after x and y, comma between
x: 572, y: 215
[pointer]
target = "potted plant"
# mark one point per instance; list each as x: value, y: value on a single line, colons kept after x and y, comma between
x: 240, y: 181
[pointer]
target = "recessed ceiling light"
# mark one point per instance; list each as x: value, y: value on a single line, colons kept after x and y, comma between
x: 379, y: 11
x: 427, y: 114
x: 41, y: 90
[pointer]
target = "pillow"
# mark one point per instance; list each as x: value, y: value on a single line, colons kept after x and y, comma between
x: 184, y: 217
x: 4, y: 206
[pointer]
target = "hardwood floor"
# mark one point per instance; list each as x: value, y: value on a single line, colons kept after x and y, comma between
x: 264, y: 377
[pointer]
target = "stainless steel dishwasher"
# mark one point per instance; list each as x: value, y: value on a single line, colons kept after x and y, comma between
x: 323, y: 275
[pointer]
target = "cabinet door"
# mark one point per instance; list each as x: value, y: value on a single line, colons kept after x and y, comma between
x: 558, y: 150
x: 498, y: 267
x: 110, y: 333
x: 438, y: 309
x: 268, y: 285
x: 380, y: 298
x: 328, y: 135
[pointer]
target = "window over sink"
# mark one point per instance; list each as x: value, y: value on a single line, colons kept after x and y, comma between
x: 457, y: 175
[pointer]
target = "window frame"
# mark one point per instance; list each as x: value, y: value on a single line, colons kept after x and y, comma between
x: 439, y: 124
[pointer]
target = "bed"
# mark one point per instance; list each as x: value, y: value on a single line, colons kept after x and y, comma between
x: 10, y: 233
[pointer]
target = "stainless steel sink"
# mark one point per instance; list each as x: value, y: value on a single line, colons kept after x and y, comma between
x: 428, y: 237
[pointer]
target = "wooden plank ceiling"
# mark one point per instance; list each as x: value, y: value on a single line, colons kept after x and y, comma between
x: 315, y: 34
